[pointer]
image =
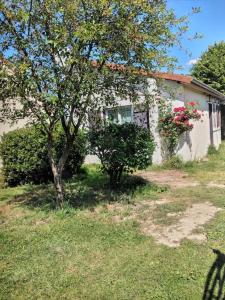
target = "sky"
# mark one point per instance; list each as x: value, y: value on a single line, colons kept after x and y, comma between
x: 210, y: 23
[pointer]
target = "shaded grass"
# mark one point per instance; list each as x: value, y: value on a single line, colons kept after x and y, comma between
x: 85, y: 191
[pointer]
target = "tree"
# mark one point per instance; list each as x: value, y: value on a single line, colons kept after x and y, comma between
x: 63, y: 58
x: 210, y: 68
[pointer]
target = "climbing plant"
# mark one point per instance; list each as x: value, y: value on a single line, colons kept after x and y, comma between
x: 173, y: 123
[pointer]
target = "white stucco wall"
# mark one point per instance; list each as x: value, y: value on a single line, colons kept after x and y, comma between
x: 6, y: 126
x: 194, y: 144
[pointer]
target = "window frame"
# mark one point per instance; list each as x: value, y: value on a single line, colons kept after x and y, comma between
x: 118, y: 110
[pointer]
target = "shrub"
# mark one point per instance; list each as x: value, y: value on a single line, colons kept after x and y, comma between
x: 122, y: 148
x: 175, y: 162
x: 77, y: 153
x: 212, y: 150
x: 25, y: 158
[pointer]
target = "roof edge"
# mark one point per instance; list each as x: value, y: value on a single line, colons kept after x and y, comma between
x: 189, y: 80
x: 211, y: 90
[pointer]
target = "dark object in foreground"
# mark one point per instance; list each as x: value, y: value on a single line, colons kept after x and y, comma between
x: 215, y: 282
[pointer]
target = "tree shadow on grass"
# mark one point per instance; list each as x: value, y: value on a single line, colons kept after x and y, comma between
x: 215, y: 281
x: 86, y: 192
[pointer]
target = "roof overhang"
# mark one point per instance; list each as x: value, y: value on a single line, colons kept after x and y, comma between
x: 193, y: 83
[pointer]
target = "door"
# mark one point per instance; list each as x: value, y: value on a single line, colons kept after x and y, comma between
x: 211, y: 123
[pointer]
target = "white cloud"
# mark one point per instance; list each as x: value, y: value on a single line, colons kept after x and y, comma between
x: 192, y: 61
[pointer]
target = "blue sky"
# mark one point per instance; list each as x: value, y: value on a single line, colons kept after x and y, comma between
x: 210, y: 22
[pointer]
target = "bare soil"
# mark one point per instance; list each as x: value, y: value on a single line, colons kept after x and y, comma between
x: 187, y: 224
x: 193, y: 218
x: 172, y: 178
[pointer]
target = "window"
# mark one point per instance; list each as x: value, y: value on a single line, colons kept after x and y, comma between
x: 113, y: 115
x: 120, y: 115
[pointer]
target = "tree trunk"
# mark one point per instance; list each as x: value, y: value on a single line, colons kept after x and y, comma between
x: 59, y: 188
x: 57, y: 170
x: 115, y: 177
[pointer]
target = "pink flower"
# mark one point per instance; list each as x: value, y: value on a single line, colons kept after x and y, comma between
x: 192, y: 103
x: 179, y: 109
x: 177, y: 118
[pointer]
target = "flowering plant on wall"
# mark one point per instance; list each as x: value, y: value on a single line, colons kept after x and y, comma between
x: 172, y: 124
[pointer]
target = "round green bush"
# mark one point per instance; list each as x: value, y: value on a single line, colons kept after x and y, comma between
x: 122, y: 148
x: 25, y: 157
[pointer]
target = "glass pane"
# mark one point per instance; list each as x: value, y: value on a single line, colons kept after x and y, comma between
x: 125, y: 113
x: 113, y: 115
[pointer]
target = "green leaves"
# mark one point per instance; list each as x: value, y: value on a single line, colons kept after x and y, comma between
x: 25, y: 156
x: 172, y: 124
x: 210, y: 68
x: 64, y: 37
x: 122, y: 148
x: 65, y: 58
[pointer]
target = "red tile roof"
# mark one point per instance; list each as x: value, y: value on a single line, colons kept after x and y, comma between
x: 175, y: 77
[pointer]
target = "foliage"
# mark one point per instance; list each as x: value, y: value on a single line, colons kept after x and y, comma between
x: 25, y: 156
x: 210, y: 68
x: 212, y: 150
x: 175, y: 162
x: 62, y: 58
x: 172, y: 124
x: 121, y: 148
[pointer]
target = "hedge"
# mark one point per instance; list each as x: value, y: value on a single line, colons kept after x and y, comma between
x: 25, y: 159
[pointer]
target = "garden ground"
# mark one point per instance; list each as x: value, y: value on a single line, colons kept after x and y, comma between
x: 151, y: 239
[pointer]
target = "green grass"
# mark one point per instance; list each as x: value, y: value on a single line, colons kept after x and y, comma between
x: 73, y: 254
x: 211, y: 169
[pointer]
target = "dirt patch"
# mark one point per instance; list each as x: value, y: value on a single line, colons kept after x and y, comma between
x: 216, y: 185
x: 173, y: 178
x: 8, y: 212
x: 187, y: 223
x: 194, y: 217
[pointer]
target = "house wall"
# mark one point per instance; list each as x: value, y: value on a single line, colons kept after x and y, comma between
x: 193, y: 145
x: 6, y: 127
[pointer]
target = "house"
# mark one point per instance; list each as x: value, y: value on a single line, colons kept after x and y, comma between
x: 179, y: 90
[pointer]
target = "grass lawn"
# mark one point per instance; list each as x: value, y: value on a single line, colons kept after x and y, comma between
x: 81, y: 252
